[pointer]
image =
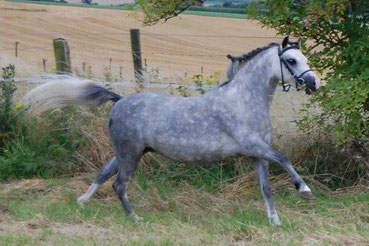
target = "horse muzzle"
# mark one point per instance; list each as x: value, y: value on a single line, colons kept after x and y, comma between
x: 310, y: 81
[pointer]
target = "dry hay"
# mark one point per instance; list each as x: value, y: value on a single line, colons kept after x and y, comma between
x: 99, y: 148
x: 35, y: 184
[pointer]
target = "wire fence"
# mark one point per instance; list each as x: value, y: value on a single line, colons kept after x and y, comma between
x: 143, y: 34
x: 169, y: 66
x: 114, y: 60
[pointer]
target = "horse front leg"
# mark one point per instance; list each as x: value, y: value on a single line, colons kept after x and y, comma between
x: 262, y: 173
x: 262, y: 150
x: 273, y: 155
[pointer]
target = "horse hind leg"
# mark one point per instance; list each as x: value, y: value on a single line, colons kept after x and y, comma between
x: 106, y: 172
x: 126, y: 169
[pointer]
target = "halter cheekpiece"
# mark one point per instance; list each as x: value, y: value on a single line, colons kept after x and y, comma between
x: 299, y: 80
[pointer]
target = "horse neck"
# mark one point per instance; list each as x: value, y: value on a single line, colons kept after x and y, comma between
x: 257, y: 80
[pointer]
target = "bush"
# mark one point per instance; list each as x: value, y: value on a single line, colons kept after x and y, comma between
x: 338, y: 32
x: 219, y: 9
x: 340, y: 29
x: 7, y: 114
x: 44, y: 146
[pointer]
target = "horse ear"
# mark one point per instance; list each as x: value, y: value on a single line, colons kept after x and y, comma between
x: 285, y: 42
x: 230, y: 57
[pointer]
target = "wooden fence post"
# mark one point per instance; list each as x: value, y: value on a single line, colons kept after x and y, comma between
x: 136, y: 54
x: 121, y: 72
x: 62, y: 56
x: 44, y: 64
x: 16, y: 48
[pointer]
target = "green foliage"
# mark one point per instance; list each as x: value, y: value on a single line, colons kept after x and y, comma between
x: 216, y: 14
x: 7, y: 114
x: 30, y: 147
x: 43, y: 147
x: 198, y: 79
x: 155, y: 10
x: 219, y: 9
x: 183, y: 91
x: 340, y: 34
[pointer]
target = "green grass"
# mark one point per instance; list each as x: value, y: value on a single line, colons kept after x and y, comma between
x: 45, y: 211
x: 216, y: 14
x: 129, y: 7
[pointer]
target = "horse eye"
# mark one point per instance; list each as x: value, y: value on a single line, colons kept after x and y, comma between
x: 291, y: 61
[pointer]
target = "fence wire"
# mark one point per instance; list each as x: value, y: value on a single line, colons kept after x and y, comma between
x: 174, y: 63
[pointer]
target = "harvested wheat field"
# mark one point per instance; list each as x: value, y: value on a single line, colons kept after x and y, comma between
x: 182, y: 45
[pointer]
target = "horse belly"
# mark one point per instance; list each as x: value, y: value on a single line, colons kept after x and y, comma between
x: 192, y: 150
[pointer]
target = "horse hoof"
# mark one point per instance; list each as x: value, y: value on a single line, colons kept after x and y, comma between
x: 136, y: 218
x: 81, y: 201
x: 308, y: 195
x: 274, y: 221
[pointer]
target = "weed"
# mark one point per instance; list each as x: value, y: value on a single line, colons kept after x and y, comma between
x: 108, y: 74
x: 198, y: 80
x: 183, y: 91
x: 7, y: 113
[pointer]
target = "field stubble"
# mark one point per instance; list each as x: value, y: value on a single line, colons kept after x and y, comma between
x: 181, y: 45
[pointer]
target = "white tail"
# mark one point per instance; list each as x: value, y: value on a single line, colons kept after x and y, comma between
x: 65, y: 90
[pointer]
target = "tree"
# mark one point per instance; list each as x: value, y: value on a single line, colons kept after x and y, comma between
x: 86, y: 1
x: 227, y: 4
x: 156, y: 10
x: 339, y: 30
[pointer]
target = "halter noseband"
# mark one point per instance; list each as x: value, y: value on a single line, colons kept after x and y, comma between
x: 299, y: 79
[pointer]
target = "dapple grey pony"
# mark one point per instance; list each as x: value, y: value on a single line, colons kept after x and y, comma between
x: 229, y: 120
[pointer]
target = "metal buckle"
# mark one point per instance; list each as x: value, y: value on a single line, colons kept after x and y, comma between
x: 286, y: 87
